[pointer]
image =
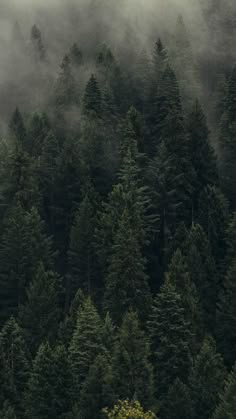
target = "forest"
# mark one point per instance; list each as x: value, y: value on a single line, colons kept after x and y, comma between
x: 118, y: 209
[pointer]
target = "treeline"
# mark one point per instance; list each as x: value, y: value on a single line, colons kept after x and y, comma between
x: 118, y: 243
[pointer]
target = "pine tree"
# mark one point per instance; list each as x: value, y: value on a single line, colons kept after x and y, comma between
x: 22, y: 184
x: 170, y: 339
x: 38, y: 130
x: 92, y: 98
x: 202, y: 268
x: 37, y: 44
x: 227, y: 406
x: 179, y: 276
x: 8, y: 412
x: 97, y: 391
x: 23, y: 246
x: 230, y: 240
x: 177, y: 404
x: 206, y: 380
x: 39, y: 316
x: 81, y: 254
x: 227, y: 141
x: 14, y: 365
x: 226, y: 316
x: 133, y: 374
x: 201, y: 152
x: 49, y: 385
x: 213, y: 217
x: 18, y: 129
x: 86, y: 343
x: 66, y: 94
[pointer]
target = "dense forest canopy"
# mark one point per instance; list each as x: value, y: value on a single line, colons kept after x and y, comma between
x: 118, y: 209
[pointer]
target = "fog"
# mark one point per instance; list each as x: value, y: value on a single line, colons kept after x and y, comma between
x: 127, y: 26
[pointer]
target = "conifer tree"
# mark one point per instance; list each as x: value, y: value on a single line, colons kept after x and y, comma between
x: 97, y: 391
x: 177, y: 404
x: 23, y: 246
x: 38, y: 131
x: 201, y: 152
x: 179, y: 276
x: 18, y: 129
x: 213, y: 217
x: 126, y: 281
x: 227, y: 141
x: 202, y: 268
x: 170, y: 339
x: 86, y: 343
x: 49, y: 385
x: 39, y: 316
x: 227, y: 406
x: 37, y: 44
x: 92, y: 98
x: 206, y: 380
x: 226, y: 316
x: 14, y: 365
x: 81, y: 254
x: 66, y: 94
x: 133, y: 374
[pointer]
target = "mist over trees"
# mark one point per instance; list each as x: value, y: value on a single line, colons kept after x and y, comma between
x: 118, y: 209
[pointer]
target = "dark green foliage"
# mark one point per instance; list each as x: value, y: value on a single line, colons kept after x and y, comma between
x: 226, y: 316
x: 92, y: 98
x: 206, y: 380
x: 213, y: 217
x: 227, y: 406
x: 39, y: 315
x: 170, y: 338
x: 14, y: 367
x: 227, y: 141
x: 133, y: 374
x: 97, y: 392
x: 81, y: 255
x: 49, y: 385
x: 177, y: 404
x: 86, y: 344
x: 201, y: 152
x: 201, y: 265
x: 23, y: 246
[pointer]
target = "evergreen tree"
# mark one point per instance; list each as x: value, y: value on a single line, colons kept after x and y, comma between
x: 170, y: 339
x: 177, y: 403
x: 227, y: 406
x: 213, y: 217
x: 86, y: 344
x: 23, y: 246
x: 227, y: 141
x: 180, y: 278
x: 92, y: 98
x: 18, y: 129
x: 81, y: 255
x: 49, y: 385
x: 202, y: 268
x: 14, y: 366
x: 201, y: 152
x: 133, y: 375
x: 37, y: 44
x: 66, y: 94
x: 97, y: 391
x: 38, y: 130
x: 206, y: 380
x: 226, y: 316
x: 39, y: 315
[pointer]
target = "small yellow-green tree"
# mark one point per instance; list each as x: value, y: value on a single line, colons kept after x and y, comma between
x: 128, y: 410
